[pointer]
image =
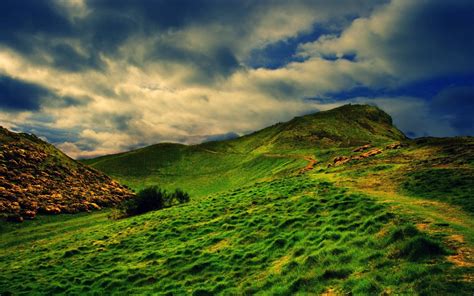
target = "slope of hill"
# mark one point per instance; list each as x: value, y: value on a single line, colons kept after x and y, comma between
x: 390, y: 217
x: 346, y: 126
x: 292, y: 235
x: 202, y: 169
x: 35, y: 177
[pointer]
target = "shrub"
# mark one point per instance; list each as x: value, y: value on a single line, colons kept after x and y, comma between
x: 150, y: 199
x: 181, y: 196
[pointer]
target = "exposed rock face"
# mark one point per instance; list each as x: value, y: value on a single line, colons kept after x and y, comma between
x: 35, y: 177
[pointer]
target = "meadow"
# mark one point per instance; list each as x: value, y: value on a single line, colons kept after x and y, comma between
x: 293, y: 235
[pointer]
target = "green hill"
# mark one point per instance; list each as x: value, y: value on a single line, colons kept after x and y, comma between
x: 214, y: 166
x: 300, y: 208
x: 346, y: 126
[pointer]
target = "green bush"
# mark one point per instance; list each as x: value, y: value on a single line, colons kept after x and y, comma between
x: 181, y: 196
x: 151, y: 199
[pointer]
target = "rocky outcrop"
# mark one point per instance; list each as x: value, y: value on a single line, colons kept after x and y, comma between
x: 371, y: 152
x: 362, y: 148
x: 35, y: 178
x: 394, y: 146
x: 340, y: 160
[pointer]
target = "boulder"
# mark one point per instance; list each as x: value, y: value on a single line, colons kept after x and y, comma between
x: 94, y: 206
x: 394, y: 146
x: 29, y: 214
x: 371, y: 153
x: 341, y: 160
x: 52, y: 209
x: 362, y: 148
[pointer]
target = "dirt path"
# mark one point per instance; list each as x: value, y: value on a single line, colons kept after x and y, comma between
x: 435, y: 217
x: 210, y: 151
x: 309, y: 166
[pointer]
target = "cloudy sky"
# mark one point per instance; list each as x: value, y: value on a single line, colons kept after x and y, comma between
x: 103, y: 76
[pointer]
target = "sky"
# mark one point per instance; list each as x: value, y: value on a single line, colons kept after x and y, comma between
x: 104, y: 76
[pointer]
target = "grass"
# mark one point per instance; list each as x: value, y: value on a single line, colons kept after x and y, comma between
x: 451, y: 185
x: 291, y: 235
x: 398, y: 223
x: 198, y: 171
x: 217, y: 166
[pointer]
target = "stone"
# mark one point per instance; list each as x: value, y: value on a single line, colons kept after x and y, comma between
x: 394, y: 146
x: 29, y: 214
x: 371, y: 153
x: 362, y: 148
x: 341, y: 160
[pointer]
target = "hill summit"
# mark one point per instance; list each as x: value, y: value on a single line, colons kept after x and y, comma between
x: 35, y: 177
x: 345, y: 126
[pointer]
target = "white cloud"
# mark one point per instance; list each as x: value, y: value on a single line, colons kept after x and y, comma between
x: 171, y: 85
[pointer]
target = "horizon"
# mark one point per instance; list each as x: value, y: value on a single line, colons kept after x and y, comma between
x: 100, y: 77
x: 221, y: 138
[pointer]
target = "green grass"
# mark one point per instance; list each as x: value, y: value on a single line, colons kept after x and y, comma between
x: 197, y: 171
x: 454, y: 186
x: 215, y: 166
x: 291, y: 235
x: 257, y: 225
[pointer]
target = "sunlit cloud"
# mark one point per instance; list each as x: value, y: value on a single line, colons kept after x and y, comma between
x: 98, y: 77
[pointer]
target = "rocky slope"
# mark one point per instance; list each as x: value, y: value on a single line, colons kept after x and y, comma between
x: 35, y: 177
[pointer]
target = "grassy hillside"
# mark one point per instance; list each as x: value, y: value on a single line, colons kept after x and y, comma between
x: 277, y: 212
x: 295, y: 235
x: 196, y: 169
x: 211, y: 167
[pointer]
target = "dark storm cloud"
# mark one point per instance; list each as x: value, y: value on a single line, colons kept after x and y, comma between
x: 53, y: 135
x: 218, y: 62
x: 106, y: 30
x: 417, y: 39
x: 158, y: 13
x: 435, y: 35
x: 31, y: 26
x: 110, y: 27
x: 21, y: 22
x: 68, y: 59
x: 456, y: 105
x: 17, y: 95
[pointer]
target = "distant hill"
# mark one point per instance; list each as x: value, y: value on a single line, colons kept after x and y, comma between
x: 345, y: 126
x: 35, y: 177
x: 212, y: 166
